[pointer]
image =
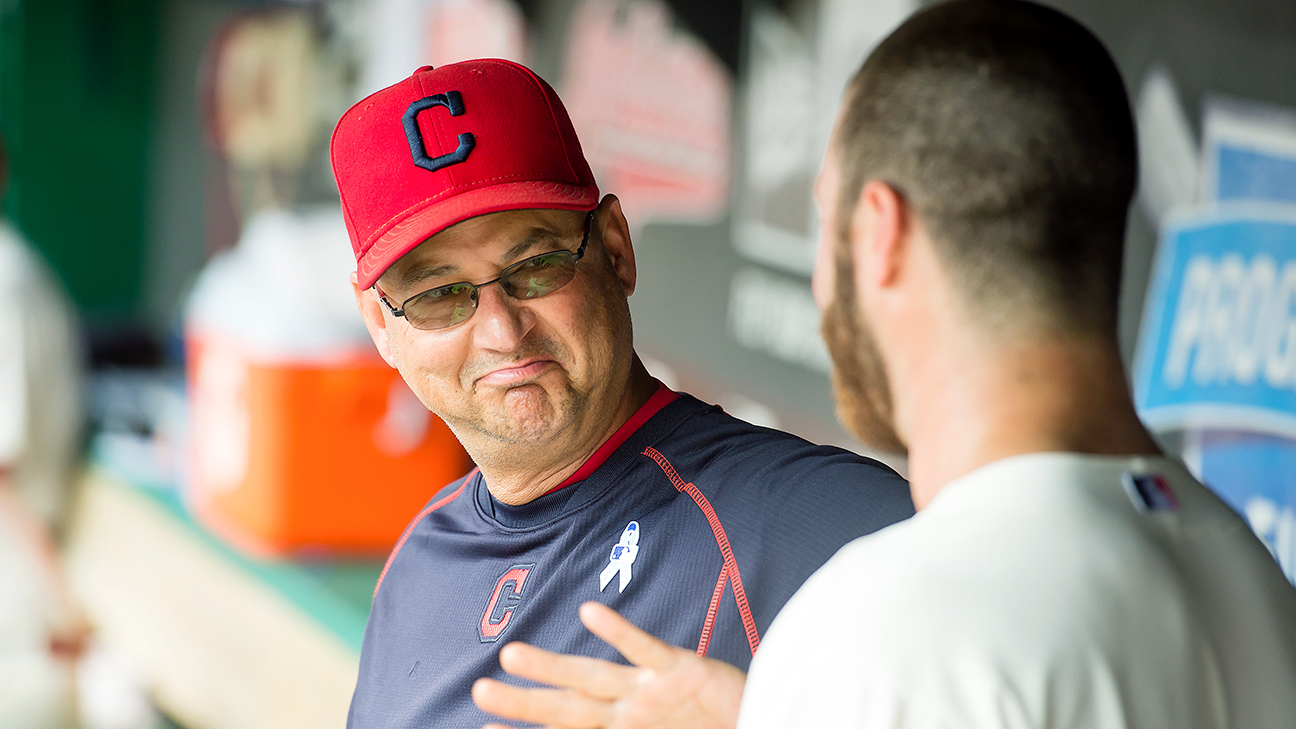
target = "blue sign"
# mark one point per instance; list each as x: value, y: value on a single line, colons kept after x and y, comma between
x: 1247, y: 174
x: 1240, y: 406
x: 1256, y: 475
x: 1218, y: 346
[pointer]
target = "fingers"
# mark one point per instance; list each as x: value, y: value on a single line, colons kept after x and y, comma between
x: 541, y: 706
x: 638, y: 647
x: 597, y: 678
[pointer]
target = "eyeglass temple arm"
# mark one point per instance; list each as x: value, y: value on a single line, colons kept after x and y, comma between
x: 383, y: 298
x: 589, y: 223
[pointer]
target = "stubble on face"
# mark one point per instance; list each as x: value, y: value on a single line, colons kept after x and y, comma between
x: 526, y: 413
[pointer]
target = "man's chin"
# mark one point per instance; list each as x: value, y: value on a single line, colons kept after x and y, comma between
x: 525, y: 415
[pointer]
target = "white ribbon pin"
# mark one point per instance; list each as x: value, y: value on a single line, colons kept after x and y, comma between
x: 623, y: 555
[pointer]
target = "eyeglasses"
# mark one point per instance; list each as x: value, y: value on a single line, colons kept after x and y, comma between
x: 530, y: 278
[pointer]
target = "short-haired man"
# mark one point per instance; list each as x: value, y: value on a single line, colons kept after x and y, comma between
x: 493, y: 278
x: 1061, y: 572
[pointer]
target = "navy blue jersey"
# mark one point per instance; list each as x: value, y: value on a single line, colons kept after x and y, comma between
x: 697, y: 527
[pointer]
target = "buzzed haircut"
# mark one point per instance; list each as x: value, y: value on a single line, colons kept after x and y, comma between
x: 1005, y: 125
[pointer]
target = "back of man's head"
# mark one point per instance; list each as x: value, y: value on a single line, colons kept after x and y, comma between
x: 1006, y: 126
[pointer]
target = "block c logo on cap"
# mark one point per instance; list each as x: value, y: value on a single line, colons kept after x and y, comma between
x: 453, y: 102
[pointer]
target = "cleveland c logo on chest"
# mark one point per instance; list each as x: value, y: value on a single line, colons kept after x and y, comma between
x: 504, y: 601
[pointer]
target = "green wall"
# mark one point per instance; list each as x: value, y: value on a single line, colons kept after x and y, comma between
x: 76, y: 81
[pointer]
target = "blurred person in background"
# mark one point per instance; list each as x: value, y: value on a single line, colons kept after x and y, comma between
x: 41, y: 632
x: 1061, y: 571
x: 494, y: 279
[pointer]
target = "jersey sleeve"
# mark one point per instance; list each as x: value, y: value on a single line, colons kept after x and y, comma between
x: 845, y: 494
x: 810, y: 502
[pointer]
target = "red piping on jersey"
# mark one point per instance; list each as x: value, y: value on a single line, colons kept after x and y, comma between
x: 661, y: 398
x: 730, y: 564
x: 705, y: 641
x: 431, y: 508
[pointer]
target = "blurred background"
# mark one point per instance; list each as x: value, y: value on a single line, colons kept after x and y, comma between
x: 202, y: 461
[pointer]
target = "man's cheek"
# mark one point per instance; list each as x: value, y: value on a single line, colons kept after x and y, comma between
x: 822, y: 280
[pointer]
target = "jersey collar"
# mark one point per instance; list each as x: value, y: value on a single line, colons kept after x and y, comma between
x: 659, y: 399
x: 559, y: 499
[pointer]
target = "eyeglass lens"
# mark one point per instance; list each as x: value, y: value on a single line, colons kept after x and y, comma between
x: 531, y: 278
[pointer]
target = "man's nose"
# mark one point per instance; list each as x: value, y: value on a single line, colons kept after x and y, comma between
x: 501, y: 321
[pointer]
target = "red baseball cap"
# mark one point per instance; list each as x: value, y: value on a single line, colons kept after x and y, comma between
x: 448, y: 144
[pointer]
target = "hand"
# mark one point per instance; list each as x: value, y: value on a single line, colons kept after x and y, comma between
x: 70, y: 630
x: 666, y: 687
x: 71, y: 641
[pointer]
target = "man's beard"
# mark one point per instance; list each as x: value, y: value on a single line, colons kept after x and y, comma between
x: 860, y: 386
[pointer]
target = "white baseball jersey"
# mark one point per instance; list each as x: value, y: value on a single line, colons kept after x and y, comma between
x: 39, y: 432
x: 1049, y: 590
x: 40, y: 378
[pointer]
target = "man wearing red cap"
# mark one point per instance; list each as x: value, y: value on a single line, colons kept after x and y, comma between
x: 494, y: 279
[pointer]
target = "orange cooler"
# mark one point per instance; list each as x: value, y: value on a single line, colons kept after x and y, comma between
x: 334, y: 455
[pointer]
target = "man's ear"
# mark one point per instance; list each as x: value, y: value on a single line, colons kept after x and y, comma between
x: 614, y: 232
x: 371, y: 310
x: 878, y: 235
